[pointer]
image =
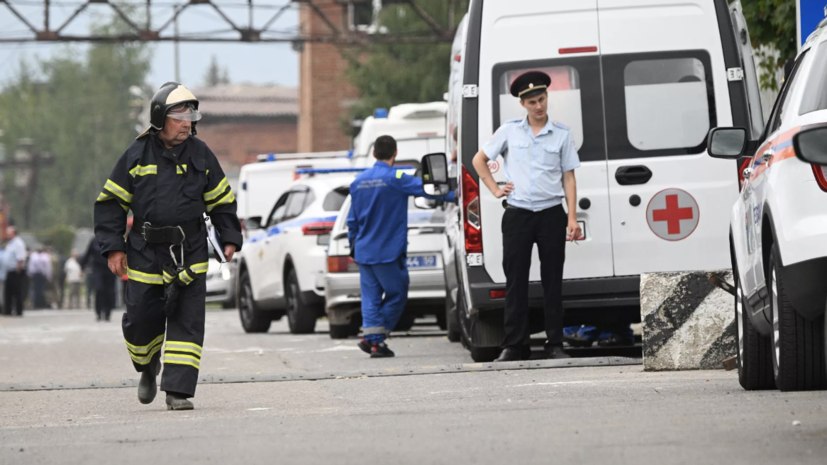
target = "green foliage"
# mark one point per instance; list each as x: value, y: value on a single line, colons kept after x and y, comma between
x: 390, y: 74
x: 60, y: 237
x: 215, y: 75
x: 75, y: 106
x: 771, y: 25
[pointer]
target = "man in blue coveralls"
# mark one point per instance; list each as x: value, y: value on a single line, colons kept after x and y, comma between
x: 378, y: 235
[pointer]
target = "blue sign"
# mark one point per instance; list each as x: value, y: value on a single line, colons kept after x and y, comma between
x: 810, y: 13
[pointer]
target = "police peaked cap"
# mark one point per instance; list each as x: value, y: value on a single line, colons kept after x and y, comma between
x: 169, y: 95
x: 530, y: 84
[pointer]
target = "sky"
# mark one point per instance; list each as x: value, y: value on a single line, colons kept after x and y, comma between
x: 247, y: 63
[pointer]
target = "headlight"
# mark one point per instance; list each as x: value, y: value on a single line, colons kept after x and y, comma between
x: 225, y: 273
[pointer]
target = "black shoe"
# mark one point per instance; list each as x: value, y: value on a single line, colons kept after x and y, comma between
x: 380, y: 350
x: 577, y: 340
x: 147, y: 387
x: 365, y: 346
x: 556, y: 352
x: 615, y: 341
x: 510, y: 354
x: 176, y: 401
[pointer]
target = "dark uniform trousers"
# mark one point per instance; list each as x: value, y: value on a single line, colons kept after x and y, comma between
x: 166, y: 187
x: 522, y: 229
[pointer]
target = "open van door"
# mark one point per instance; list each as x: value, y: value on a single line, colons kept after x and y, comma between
x: 665, y: 85
x: 750, y: 76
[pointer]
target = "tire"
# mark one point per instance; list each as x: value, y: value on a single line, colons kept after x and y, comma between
x: 252, y: 319
x: 484, y: 345
x: 339, y: 331
x: 797, y: 343
x: 301, y: 318
x: 405, y: 323
x: 754, y: 350
x: 454, y: 332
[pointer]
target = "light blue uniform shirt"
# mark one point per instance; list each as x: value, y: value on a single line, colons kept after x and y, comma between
x: 535, y: 164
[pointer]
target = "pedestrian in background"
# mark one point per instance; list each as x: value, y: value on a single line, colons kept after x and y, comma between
x: 103, y: 281
x: 14, y: 260
x: 2, y: 279
x: 58, y: 277
x: 540, y: 159
x: 74, y: 278
x: 39, y: 270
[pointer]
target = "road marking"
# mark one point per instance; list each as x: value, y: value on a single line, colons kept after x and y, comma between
x: 258, y: 409
x: 561, y: 383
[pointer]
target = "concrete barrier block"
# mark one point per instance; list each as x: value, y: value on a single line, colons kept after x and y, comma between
x: 688, y: 324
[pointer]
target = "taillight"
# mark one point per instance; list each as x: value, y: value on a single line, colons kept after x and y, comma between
x: 471, y: 206
x: 318, y: 228
x: 821, y: 177
x: 341, y: 264
x: 498, y: 294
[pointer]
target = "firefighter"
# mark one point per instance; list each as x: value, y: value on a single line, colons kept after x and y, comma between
x: 169, y: 180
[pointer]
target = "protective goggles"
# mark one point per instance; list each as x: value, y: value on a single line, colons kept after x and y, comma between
x: 184, y: 112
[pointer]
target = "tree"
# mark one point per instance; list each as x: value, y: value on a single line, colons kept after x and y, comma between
x: 390, y: 74
x: 215, y: 75
x: 772, y: 29
x: 75, y: 106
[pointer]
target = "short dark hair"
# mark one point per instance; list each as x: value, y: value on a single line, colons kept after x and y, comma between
x: 384, y: 147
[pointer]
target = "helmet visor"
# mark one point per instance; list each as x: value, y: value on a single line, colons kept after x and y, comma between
x: 184, y: 112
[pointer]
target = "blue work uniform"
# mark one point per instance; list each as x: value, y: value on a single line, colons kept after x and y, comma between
x: 535, y: 164
x: 378, y: 233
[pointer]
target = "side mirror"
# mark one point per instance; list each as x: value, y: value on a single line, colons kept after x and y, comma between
x: 253, y: 222
x: 811, y: 145
x: 435, y: 174
x: 425, y: 204
x: 727, y: 143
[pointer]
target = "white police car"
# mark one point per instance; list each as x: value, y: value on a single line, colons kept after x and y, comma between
x: 282, y: 265
x: 778, y: 232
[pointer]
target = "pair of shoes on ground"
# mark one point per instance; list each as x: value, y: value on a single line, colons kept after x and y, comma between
x: 148, y: 388
x: 513, y: 354
x: 379, y: 350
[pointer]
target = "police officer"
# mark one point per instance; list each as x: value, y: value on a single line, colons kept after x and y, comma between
x: 540, y: 158
x: 378, y: 234
x: 169, y: 180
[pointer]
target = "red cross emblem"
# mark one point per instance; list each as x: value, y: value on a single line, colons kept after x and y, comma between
x: 672, y: 214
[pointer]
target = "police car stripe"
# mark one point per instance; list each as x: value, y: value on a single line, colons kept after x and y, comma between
x: 142, y: 277
x: 227, y: 199
x: 118, y: 191
x: 219, y: 189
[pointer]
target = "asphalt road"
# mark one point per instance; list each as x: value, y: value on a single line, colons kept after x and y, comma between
x: 610, y: 415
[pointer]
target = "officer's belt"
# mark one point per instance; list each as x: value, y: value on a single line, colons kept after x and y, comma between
x: 169, y: 234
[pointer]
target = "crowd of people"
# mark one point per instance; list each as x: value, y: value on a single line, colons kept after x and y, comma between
x: 42, y: 278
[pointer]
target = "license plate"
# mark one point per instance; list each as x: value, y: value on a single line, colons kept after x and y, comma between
x: 423, y: 261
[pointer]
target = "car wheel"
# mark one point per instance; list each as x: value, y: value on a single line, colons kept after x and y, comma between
x: 405, y: 323
x: 797, y: 343
x: 484, y: 340
x: 754, y: 350
x: 339, y: 331
x: 452, y: 317
x: 252, y: 320
x: 300, y: 317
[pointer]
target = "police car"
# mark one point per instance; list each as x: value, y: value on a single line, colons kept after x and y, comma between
x: 220, y: 285
x: 640, y: 83
x: 778, y: 232
x: 426, y: 294
x: 282, y: 265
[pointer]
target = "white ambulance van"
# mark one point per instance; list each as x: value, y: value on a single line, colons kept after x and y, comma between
x: 419, y: 129
x: 640, y: 83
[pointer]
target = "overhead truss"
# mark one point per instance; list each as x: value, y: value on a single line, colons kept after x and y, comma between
x: 153, y: 20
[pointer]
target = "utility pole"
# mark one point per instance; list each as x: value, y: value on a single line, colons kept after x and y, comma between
x: 177, y: 63
x: 28, y: 162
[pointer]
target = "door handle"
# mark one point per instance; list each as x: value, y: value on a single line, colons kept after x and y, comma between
x: 633, y: 175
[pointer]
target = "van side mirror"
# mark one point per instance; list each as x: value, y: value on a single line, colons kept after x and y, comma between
x: 727, y: 143
x: 435, y: 174
x: 253, y: 222
x: 811, y: 145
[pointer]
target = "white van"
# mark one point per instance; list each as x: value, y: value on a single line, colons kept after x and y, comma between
x: 419, y: 129
x: 640, y: 83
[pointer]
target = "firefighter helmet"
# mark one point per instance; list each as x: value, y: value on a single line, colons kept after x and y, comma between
x: 175, y: 101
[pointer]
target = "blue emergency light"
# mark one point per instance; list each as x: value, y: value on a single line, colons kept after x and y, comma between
x: 380, y: 113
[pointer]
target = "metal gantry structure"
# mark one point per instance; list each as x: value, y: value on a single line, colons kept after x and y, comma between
x: 143, y: 24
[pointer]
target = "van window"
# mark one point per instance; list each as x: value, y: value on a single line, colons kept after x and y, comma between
x: 658, y: 103
x: 334, y: 200
x: 815, y: 94
x: 574, y: 97
x: 666, y: 103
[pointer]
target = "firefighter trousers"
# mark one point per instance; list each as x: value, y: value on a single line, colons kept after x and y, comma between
x: 146, y: 326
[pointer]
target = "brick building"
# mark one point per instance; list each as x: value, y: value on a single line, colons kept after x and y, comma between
x: 325, y: 94
x: 242, y: 121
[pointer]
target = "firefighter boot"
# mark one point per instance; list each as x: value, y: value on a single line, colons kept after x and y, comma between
x: 177, y: 401
x: 147, y: 387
